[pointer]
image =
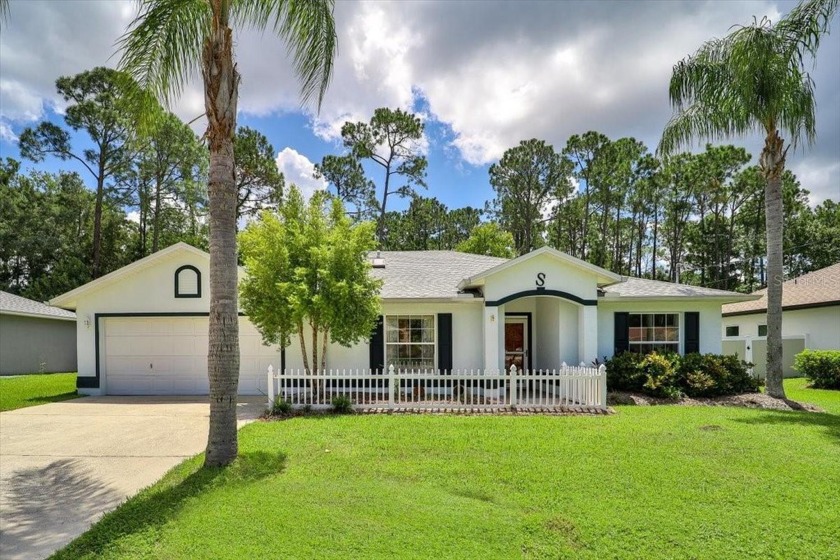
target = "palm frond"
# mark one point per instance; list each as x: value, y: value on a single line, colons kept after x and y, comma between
x: 4, y: 12
x: 804, y: 25
x: 307, y: 27
x: 162, y: 46
x: 751, y: 80
x: 703, y: 121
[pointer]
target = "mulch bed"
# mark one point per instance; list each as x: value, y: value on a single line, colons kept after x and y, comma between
x: 748, y: 400
x: 471, y: 411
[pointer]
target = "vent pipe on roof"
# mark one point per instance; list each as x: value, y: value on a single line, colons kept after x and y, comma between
x: 378, y: 261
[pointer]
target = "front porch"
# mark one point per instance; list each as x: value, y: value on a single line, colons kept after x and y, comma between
x: 539, y: 333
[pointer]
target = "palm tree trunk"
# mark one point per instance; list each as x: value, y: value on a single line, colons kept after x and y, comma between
x: 773, y: 164
x: 221, y: 84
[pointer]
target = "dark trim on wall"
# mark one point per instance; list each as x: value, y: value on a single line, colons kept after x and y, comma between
x: 785, y: 308
x: 691, y: 338
x: 88, y: 382
x: 541, y: 292
x: 530, y: 321
x: 178, y: 272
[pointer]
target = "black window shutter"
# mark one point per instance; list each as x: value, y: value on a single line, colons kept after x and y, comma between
x: 444, y: 325
x: 622, y: 333
x: 377, y: 347
x: 692, y: 332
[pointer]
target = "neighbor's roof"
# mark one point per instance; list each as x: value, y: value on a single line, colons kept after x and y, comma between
x: 820, y: 288
x: 11, y: 304
x: 428, y: 274
x: 641, y: 288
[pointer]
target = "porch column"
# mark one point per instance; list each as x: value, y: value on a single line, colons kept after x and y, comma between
x: 493, y: 319
x: 587, y: 333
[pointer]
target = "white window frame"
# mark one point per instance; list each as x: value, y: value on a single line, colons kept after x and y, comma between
x: 737, y: 331
x: 680, y: 330
x: 758, y: 331
x: 433, y: 343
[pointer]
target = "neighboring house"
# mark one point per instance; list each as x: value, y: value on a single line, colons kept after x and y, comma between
x: 35, y: 337
x: 810, y: 319
x: 143, y: 329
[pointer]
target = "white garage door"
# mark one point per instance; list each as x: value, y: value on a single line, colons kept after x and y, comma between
x: 168, y: 356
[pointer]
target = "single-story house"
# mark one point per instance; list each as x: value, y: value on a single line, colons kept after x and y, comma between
x: 143, y: 328
x: 35, y: 337
x: 810, y: 319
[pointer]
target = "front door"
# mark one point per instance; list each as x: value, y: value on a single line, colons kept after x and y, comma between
x: 516, y: 343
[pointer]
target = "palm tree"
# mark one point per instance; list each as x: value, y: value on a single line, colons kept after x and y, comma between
x: 165, y: 45
x: 754, y: 80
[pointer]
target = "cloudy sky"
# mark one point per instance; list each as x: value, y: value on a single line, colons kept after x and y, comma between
x: 484, y: 75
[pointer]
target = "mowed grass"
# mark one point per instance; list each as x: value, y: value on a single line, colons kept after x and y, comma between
x: 647, y: 482
x: 797, y: 389
x: 30, y: 390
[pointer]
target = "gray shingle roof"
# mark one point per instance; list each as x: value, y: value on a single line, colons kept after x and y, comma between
x: 820, y: 287
x: 16, y: 305
x: 428, y: 274
x: 643, y: 288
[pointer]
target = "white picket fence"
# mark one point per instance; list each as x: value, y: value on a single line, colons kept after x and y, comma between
x: 568, y: 387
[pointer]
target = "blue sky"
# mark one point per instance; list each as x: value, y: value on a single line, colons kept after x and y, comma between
x: 484, y: 74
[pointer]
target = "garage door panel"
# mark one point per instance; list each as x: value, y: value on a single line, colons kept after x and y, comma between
x: 168, y: 355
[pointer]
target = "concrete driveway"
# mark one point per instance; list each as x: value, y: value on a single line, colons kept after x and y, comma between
x: 63, y: 465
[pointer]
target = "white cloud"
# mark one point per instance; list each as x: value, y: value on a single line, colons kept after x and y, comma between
x: 133, y: 216
x: 298, y: 170
x: 820, y: 178
x: 493, y: 74
x: 6, y: 133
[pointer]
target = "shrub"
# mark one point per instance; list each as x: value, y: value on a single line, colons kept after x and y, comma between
x: 712, y: 375
x: 660, y: 371
x: 623, y: 372
x: 821, y: 367
x: 341, y: 404
x: 669, y: 375
x: 281, y: 407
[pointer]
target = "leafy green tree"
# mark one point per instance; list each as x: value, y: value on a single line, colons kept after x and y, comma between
x: 755, y: 79
x: 46, y: 233
x: 528, y: 180
x: 391, y: 140
x: 258, y: 181
x: 822, y: 232
x: 585, y: 152
x: 167, y: 174
x: 490, y: 240
x: 346, y: 176
x: 100, y: 104
x: 163, y: 47
x: 309, y: 273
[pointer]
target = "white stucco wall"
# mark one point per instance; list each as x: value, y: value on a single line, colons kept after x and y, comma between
x: 820, y: 325
x: 466, y: 337
x: 558, y: 276
x: 710, y: 323
x: 151, y: 290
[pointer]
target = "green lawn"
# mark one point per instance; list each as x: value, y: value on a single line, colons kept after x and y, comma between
x: 648, y: 482
x: 797, y: 390
x: 30, y: 390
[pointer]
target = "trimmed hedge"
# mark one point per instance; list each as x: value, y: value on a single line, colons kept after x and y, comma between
x: 821, y: 367
x: 670, y: 375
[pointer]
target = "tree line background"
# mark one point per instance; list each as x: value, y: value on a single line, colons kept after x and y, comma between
x: 695, y: 218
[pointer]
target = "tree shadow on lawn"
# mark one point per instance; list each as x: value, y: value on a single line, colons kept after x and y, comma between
x: 830, y: 422
x: 44, y: 399
x: 154, y: 507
